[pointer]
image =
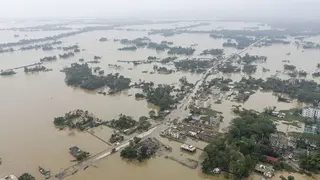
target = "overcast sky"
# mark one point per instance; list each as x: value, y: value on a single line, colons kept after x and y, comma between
x: 207, y: 9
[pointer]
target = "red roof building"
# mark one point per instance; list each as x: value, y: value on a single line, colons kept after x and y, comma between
x: 272, y: 159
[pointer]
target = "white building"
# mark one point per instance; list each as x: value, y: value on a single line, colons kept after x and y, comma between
x: 9, y: 177
x: 317, y: 114
x: 311, y: 112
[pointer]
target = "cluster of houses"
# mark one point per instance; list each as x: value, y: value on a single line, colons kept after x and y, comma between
x: 174, y: 133
x: 278, y: 114
x: 282, y: 142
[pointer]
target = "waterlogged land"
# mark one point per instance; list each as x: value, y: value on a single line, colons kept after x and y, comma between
x: 30, y: 101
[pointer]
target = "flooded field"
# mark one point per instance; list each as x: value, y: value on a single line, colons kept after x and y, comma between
x: 31, y: 102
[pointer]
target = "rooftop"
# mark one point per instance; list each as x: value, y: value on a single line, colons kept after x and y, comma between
x: 9, y: 177
x: 188, y: 147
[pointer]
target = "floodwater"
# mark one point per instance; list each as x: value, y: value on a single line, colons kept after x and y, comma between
x: 30, y: 103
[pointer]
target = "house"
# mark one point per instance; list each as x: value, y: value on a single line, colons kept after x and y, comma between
x: 216, y: 170
x: 189, y: 148
x: 272, y: 159
x: 275, y: 113
x: 278, y: 114
x: 75, y: 151
x: 312, y: 129
x: 9, y: 177
x: 267, y: 171
x: 196, y: 117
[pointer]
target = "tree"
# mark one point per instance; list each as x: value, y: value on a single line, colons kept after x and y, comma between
x: 143, y: 153
x: 247, y: 140
x: 143, y: 118
x: 26, y: 176
x: 139, y: 95
x: 152, y: 113
x: 225, y: 88
x: 311, y: 162
x: 290, y: 177
x: 129, y: 152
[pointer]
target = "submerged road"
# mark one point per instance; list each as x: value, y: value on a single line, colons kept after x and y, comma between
x: 181, y: 111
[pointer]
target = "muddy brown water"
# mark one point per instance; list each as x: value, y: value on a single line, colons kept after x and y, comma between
x: 30, y: 102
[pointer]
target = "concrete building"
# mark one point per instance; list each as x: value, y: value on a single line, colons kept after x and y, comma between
x: 317, y: 114
x: 311, y: 112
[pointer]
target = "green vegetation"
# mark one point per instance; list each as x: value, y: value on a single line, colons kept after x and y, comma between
x: 181, y: 50
x: 247, y: 59
x: 249, y: 68
x: 168, y: 60
x: 289, y: 67
x: 158, y: 47
x: 83, y: 156
x: 66, y: 55
x: 103, y: 39
x: 138, y: 42
x: 26, y: 176
x: 143, y: 118
x: 48, y: 58
x: 311, y: 162
x: 229, y: 43
x: 70, y: 47
x: 140, y: 150
x: 218, y: 82
x: 152, y: 58
x: 237, y: 152
x: 128, y: 48
x: 162, y: 70
x: 166, y: 42
x: 34, y: 69
x: 7, y: 73
x: 193, y: 65
x: 81, y: 75
x: 96, y: 57
x: 77, y: 119
x: 229, y: 68
x: 160, y: 96
x: 123, y: 122
x: 139, y: 95
x: 290, y: 177
x: 116, y: 137
x: 214, y: 52
x: 302, y: 73
x: 152, y: 114
x: 143, y: 124
x: 316, y: 74
x: 129, y: 153
x: 303, y: 90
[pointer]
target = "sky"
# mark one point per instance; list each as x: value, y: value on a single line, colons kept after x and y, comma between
x: 206, y: 9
